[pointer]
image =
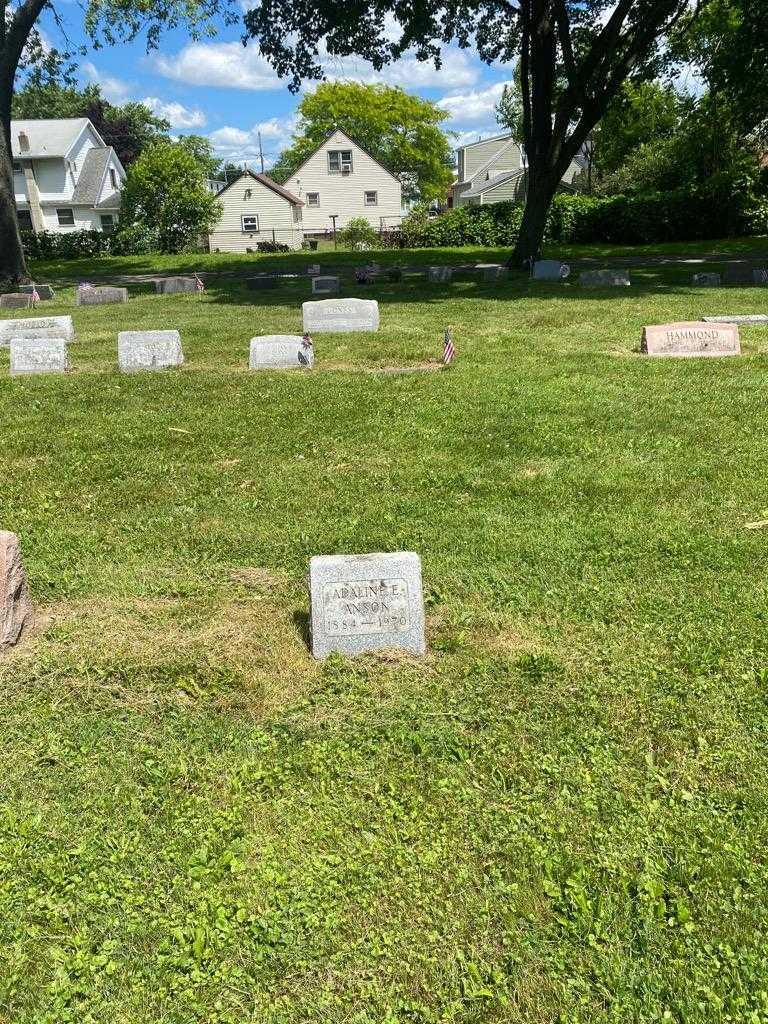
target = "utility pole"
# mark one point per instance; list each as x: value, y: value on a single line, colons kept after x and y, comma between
x: 261, y: 154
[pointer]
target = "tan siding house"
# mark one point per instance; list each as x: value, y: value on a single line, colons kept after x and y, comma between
x: 341, y: 179
x: 256, y: 209
x: 492, y: 171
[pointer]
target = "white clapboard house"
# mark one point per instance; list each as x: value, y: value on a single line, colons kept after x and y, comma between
x: 65, y: 177
x: 492, y: 171
x: 256, y: 209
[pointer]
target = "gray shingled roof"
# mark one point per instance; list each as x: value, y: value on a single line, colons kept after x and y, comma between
x: 92, y: 175
x: 47, y: 137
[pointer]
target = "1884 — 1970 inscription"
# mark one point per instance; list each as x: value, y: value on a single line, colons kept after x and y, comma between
x: 366, y: 602
x: 691, y: 338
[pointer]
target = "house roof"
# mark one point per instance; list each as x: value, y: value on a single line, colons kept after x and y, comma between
x: 491, y: 138
x: 497, y: 179
x: 49, y: 138
x: 88, y: 187
x: 354, y: 143
x: 268, y: 183
x: 502, y: 149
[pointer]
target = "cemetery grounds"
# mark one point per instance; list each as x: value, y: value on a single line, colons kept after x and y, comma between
x: 559, y: 814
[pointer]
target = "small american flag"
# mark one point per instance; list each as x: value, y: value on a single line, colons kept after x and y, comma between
x: 199, y: 286
x: 306, y: 340
x: 35, y: 296
x: 449, y: 351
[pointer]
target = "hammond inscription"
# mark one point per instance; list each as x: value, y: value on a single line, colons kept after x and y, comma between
x: 693, y: 338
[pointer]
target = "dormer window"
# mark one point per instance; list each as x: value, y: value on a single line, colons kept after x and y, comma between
x: 339, y: 161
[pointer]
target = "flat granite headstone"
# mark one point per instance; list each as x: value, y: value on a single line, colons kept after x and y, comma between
x: 341, y: 315
x: 174, y: 285
x: 104, y: 295
x: 739, y: 318
x: 325, y: 285
x: 16, y: 613
x: 281, y: 352
x: 263, y: 281
x: 491, y: 271
x: 439, y: 275
x: 15, y: 300
x: 366, y: 602
x: 691, y: 338
x: 550, y: 270
x: 38, y: 355
x: 707, y: 279
x: 37, y: 327
x: 148, y: 350
x: 313, y: 269
x: 604, y: 279
x: 43, y: 290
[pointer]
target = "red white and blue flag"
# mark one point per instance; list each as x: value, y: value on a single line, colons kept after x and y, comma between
x: 35, y: 296
x: 449, y: 350
x: 199, y: 286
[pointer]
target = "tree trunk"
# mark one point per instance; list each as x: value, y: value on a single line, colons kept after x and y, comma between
x: 539, y: 196
x: 13, y: 267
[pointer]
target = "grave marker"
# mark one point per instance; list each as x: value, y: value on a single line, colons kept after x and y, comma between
x: 281, y: 352
x: 439, y: 275
x: 341, y: 315
x: 739, y: 274
x: 604, y: 279
x: 739, y: 318
x: 15, y: 300
x: 148, y: 350
x: 707, y: 280
x: 366, y: 602
x: 691, y: 338
x: 313, y: 269
x: 760, y: 276
x: 261, y: 282
x: 325, y: 285
x: 491, y: 271
x: 16, y: 612
x: 104, y: 295
x: 37, y: 327
x: 44, y: 291
x: 174, y: 285
x: 38, y: 355
x: 550, y: 270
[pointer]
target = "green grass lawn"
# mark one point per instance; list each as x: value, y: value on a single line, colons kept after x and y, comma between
x: 560, y: 814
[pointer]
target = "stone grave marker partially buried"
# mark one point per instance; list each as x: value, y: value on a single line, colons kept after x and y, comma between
x: 148, y: 350
x: 37, y: 327
x: 550, y: 270
x: 341, y: 315
x: 103, y: 295
x: 38, y: 355
x: 491, y: 271
x: 365, y: 603
x: 324, y: 284
x: 281, y: 352
x: 439, y: 275
x: 15, y: 300
x: 604, y: 279
x: 761, y: 319
x: 690, y: 339
x: 174, y: 285
x: 16, y: 613
x: 707, y: 279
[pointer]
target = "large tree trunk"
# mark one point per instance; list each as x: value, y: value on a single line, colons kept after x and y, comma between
x: 540, y: 193
x: 13, y: 267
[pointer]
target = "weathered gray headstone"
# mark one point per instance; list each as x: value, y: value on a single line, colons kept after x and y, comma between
x: 16, y: 613
x: 281, y: 352
x: 174, y: 285
x: 604, y: 279
x: 313, y: 269
x: 491, y: 271
x: 15, y: 300
x: 325, y: 285
x: 43, y: 290
x: 739, y: 318
x: 760, y: 276
x: 550, y: 270
x: 342, y: 315
x: 707, y: 279
x: 104, y: 295
x: 149, y: 350
x: 439, y: 275
x: 38, y: 355
x: 37, y: 327
x: 366, y: 602
x: 255, y: 284
x: 691, y: 338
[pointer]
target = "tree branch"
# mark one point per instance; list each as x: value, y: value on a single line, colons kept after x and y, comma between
x: 18, y: 33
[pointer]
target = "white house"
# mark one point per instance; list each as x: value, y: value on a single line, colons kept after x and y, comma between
x: 492, y: 171
x: 256, y: 209
x: 340, y: 180
x: 65, y: 177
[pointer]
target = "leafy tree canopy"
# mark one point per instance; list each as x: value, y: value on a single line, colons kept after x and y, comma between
x: 640, y: 113
x: 401, y: 131
x: 201, y: 149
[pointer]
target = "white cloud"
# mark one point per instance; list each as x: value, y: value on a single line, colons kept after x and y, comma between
x: 475, y: 107
x: 242, y: 146
x: 229, y: 65
x: 457, y: 70
x: 114, y: 89
x: 178, y: 115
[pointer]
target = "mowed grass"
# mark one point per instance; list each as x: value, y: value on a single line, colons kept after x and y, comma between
x: 559, y: 814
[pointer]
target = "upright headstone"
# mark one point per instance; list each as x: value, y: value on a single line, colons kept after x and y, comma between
x: 261, y: 282
x: 707, y: 279
x: 16, y: 613
x: 104, y: 295
x: 341, y: 315
x: 760, y: 276
x: 550, y: 270
x: 366, y: 602
x: 439, y: 275
x: 325, y: 285
x: 281, y: 352
x: 691, y: 338
x: 313, y: 269
x: 38, y: 355
x: 490, y: 271
x: 44, y: 291
x: 604, y: 279
x: 148, y: 350
x: 174, y: 285
x: 15, y: 300
x: 37, y: 327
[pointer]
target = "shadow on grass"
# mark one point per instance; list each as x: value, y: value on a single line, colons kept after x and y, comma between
x: 301, y: 623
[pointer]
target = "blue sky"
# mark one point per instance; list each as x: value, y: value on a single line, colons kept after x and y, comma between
x: 227, y: 92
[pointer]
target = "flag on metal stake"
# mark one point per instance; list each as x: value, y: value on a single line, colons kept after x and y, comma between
x: 199, y: 286
x: 35, y: 296
x: 449, y: 350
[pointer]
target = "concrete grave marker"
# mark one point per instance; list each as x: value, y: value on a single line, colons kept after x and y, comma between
x: 16, y: 613
x: 148, y: 350
x: 43, y: 290
x: 174, y: 285
x: 325, y: 285
x: 604, y: 279
x: 550, y: 270
x: 342, y: 315
x: 313, y: 269
x: 38, y: 355
x: 760, y: 276
x: 256, y: 284
x: 104, y: 295
x: 439, y: 275
x: 366, y: 602
x: 691, y: 338
x: 739, y: 318
x: 37, y: 327
x: 281, y: 352
x: 491, y: 271
x: 15, y: 300
x: 707, y: 280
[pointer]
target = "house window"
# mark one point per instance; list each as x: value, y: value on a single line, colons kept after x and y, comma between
x: 371, y: 198
x: 66, y: 218
x: 113, y: 177
x: 251, y: 223
x: 25, y: 220
x: 107, y: 223
x: 17, y: 168
x: 339, y: 161
x: 313, y: 198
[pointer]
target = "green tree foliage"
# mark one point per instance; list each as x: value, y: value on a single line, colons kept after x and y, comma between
x: 509, y: 109
x: 166, y: 192
x: 201, y: 149
x: 401, y: 131
x: 359, y: 234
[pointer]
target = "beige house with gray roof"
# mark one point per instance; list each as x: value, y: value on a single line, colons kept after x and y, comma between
x: 65, y: 177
